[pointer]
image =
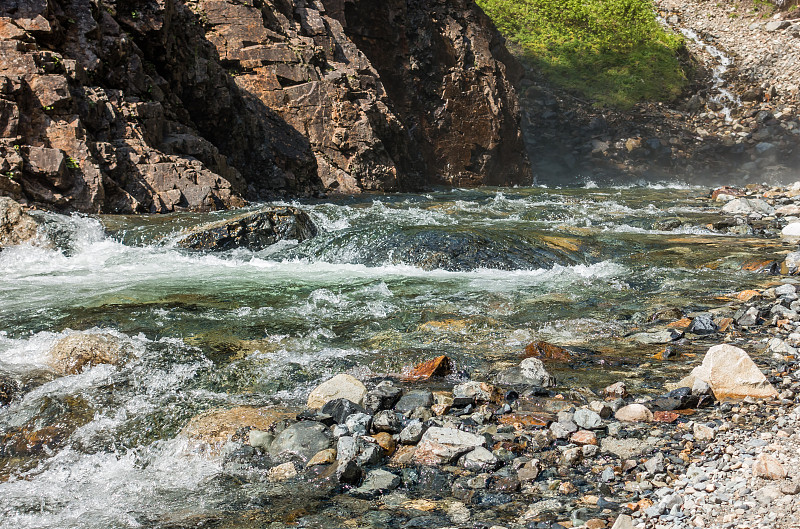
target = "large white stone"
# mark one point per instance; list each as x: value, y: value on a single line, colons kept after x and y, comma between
x: 731, y: 374
x: 791, y: 231
x: 341, y: 386
x: 634, y: 413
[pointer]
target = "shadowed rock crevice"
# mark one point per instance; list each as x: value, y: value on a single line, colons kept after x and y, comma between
x: 450, y: 79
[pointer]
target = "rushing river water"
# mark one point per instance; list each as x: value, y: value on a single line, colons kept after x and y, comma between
x: 388, y: 282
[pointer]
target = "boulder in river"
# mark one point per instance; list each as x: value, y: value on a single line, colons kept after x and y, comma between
x: 255, y: 231
x: 72, y: 354
x: 305, y: 439
x: 342, y: 386
x: 731, y: 373
x: 16, y: 226
x: 215, y: 427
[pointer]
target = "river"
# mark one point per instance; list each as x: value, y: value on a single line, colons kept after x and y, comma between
x: 389, y: 281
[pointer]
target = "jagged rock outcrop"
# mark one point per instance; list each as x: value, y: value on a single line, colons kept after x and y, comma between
x: 158, y: 105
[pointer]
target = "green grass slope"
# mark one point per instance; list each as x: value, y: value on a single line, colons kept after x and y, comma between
x: 613, y: 52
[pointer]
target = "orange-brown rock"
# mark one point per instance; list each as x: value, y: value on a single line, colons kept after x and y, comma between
x: 584, y: 437
x: 747, y: 295
x: 682, y: 323
x: 437, y: 367
x: 665, y: 416
x: 387, y: 442
x: 522, y: 420
x: 596, y: 523
x: 546, y: 351
x: 760, y: 265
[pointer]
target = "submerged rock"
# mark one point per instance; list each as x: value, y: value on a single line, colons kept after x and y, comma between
x: 376, y: 482
x: 305, y: 439
x: 16, y: 226
x: 342, y: 386
x: 731, y: 373
x: 216, y: 427
x: 73, y: 353
x: 254, y: 231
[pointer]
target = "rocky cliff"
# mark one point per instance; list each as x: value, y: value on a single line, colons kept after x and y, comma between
x: 159, y: 105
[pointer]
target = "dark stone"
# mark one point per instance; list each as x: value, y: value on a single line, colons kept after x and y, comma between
x: 8, y: 388
x: 703, y: 324
x: 303, y: 439
x: 255, y: 231
x: 421, y: 398
x: 489, y: 499
x: 316, y: 415
x: 383, y: 397
x: 386, y: 421
x: 341, y: 409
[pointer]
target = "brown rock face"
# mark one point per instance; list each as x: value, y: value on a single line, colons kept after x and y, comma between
x: 159, y: 105
x: 449, y: 75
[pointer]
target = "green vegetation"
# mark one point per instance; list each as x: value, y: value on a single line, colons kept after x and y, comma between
x: 72, y: 163
x: 613, y: 52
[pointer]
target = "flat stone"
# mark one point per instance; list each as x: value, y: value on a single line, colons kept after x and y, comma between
x: 479, y: 459
x: 341, y: 386
x: 443, y: 445
x: 745, y: 206
x: 658, y: 337
x: 215, y: 427
x: 409, y: 402
x: 377, y: 482
x: 634, y: 413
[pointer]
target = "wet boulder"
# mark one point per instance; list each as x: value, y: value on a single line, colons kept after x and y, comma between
x: 216, y: 427
x: 254, y: 231
x: 16, y: 226
x: 8, y: 388
x: 74, y: 353
x: 304, y: 439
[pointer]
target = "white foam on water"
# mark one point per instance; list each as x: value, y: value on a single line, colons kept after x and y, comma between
x: 102, y: 490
